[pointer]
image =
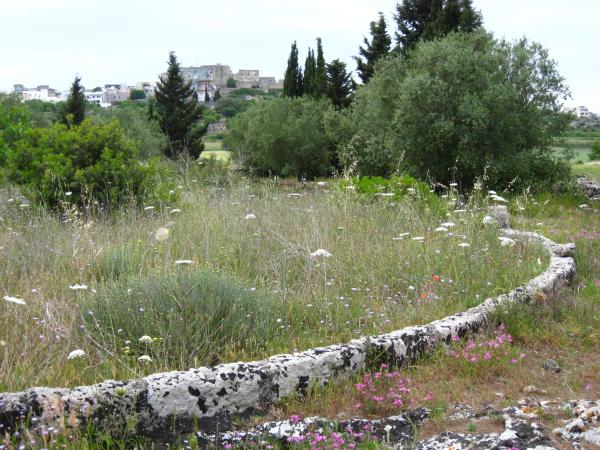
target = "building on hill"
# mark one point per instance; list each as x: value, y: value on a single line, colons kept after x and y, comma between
x: 42, y: 92
x: 207, y: 79
x: 247, y: 78
x: 583, y: 111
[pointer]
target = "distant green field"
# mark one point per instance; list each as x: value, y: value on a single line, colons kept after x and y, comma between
x: 590, y: 170
x: 218, y: 154
x: 215, y: 146
x: 579, y: 142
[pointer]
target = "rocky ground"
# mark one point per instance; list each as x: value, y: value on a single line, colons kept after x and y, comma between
x: 527, y: 425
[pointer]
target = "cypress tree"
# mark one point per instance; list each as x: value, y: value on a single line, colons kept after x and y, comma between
x: 292, y: 82
x: 411, y: 18
x: 310, y: 72
x: 428, y: 19
x: 378, y: 48
x: 217, y: 95
x: 73, y: 110
x: 339, y: 84
x: 206, y: 96
x: 470, y: 20
x: 178, y: 111
x: 321, y: 72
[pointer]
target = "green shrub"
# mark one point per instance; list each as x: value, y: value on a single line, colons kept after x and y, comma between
x: 595, y: 150
x: 371, y: 187
x: 283, y: 137
x: 14, y: 122
x: 194, y: 317
x: 456, y: 106
x: 82, y: 164
x: 132, y: 116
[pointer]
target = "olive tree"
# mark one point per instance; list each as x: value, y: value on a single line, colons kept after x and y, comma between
x: 459, y: 108
x: 284, y: 137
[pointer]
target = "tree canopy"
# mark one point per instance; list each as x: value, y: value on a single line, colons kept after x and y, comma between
x: 459, y: 108
x: 73, y: 110
x: 429, y: 19
x: 340, y: 85
x: 178, y: 112
x: 293, y: 81
x: 373, y: 51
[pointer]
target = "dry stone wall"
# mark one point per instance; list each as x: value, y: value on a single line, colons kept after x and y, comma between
x: 208, y: 398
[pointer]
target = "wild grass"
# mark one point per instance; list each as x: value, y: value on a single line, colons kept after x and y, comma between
x: 590, y: 170
x: 228, y: 275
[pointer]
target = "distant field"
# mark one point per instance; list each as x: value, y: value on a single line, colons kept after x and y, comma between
x: 215, y: 149
x: 591, y: 170
x: 579, y: 142
x: 219, y: 154
x: 211, y: 146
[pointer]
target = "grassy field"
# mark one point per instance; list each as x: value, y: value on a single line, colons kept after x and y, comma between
x: 214, y: 149
x: 233, y: 274
x: 579, y: 142
x: 589, y: 170
x: 490, y: 371
x: 493, y: 369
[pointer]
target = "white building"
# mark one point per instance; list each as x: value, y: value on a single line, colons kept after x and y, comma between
x: 582, y: 111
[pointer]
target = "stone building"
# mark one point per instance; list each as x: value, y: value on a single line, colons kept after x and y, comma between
x: 207, y: 79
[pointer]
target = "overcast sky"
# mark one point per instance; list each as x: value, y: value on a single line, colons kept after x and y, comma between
x: 110, y: 41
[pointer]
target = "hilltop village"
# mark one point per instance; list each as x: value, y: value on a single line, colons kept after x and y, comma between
x: 206, y: 81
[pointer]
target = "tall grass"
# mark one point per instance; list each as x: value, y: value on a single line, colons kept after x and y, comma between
x: 252, y: 288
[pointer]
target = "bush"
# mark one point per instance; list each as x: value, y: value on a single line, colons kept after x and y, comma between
x: 595, y: 150
x: 82, y: 164
x: 194, y: 317
x: 146, y: 134
x: 456, y: 106
x: 283, y: 137
x: 14, y: 122
x: 371, y: 187
x: 230, y: 106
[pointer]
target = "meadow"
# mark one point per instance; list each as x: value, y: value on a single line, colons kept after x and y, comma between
x: 579, y: 142
x: 239, y: 271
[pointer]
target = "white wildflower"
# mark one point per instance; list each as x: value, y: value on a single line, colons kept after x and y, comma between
x: 78, y: 287
x: 453, y: 184
x: 419, y: 238
x: 76, y: 354
x: 322, y: 183
x: 497, y: 198
x: 448, y: 225
x: 492, y: 192
x: 175, y: 211
x: 15, y: 300
x: 68, y: 193
x: 320, y: 253
x: 464, y: 245
x: 584, y: 206
x: 250, y: 216
x: 148, y: 208
x: 487, y: 220
x: 145, y: 359
x: 162, y: 234
x: 145, y: 340
x: 411, y: 190
x: 183, y: 262
x: 441, y: 229
x: 385, y: 194
x: 506, y: 242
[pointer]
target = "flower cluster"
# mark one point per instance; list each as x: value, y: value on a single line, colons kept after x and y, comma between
x: 479, y: 350
x: 383, y: 391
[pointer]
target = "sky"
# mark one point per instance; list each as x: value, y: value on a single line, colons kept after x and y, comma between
x: 125, y: 41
